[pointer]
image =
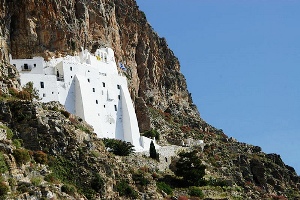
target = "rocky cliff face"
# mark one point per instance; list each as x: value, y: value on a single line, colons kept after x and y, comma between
x: 55, y: 28
x: 69, y: 152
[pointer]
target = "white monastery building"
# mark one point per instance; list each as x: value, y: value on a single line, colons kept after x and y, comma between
x: 90, y: 87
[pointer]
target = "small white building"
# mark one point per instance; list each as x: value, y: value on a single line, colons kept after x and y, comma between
x: 90, y: 87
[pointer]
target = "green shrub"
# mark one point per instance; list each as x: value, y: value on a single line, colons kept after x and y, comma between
x: 3, y: 165
x: 12, y: 181
x: 95, y: 154
x: 69, y: 189
x: 32, y: 192
x: 152, y: 134
x: 89, y: 193
x: 23, y: 187
x: 9, y: 133
x: 97, y: 183
x: 13, y: 91
x: 222, y: 183
x: 36, y: 181
x: 21, y: 155
x: 67, y: 172
x: 140, y: 178
x: 17, y: 143
x: 40, y: 157
x: 51, y: 178
x: 62, y: 168
x: 196, y: 192
x: 54, y: 108
x: 83, y: 128
x: 3, y: 189
x: 217, y: 182
x: 125, y: 190
x: 164, y: 187
x: 118, y: 147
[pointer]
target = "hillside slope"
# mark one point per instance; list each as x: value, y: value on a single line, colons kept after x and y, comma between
x: 56, y: 28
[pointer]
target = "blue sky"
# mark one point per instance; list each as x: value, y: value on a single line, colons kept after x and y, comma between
x: 241, y: 60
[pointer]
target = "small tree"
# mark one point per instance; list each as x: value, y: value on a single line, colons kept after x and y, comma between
x: 152, y: 134
x: 22, y: 156
x: 40, y: 157
x: 33, y: 93
x: 152, y: 150
x: 118, y: 147
x: 190, y: 168
x: 97, y: 183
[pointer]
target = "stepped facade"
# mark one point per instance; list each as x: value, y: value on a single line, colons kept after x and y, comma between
x: 90, y: 86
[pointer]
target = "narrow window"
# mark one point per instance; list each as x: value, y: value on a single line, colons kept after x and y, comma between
x: 57, y: 73
x: 115, y: 107
x: 104, y: 106
x: 119, y: 97
x: 93, y: 89
x: 42, y: 84
x: 25, y: 66
x: 15, y: 65
x: 103, y: 84
x: 118, y: 86
x: 105, y: 57
x: 71, y: 76
x: 44, y: 95
x: 52, y: 92
x: 34, y: 65
x: 88, y: 80
x: 96, y: 101
x: 71, y: 68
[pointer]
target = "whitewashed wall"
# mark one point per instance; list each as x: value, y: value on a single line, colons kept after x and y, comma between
x: 90, y: 87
